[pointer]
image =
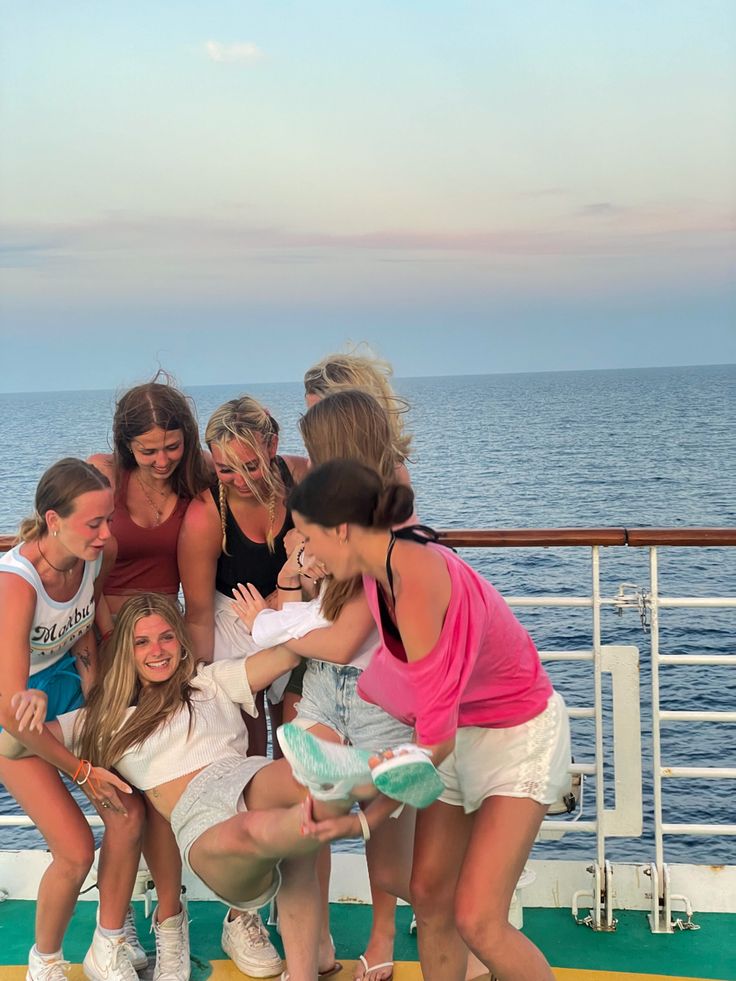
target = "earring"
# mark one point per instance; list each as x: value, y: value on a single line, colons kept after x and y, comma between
x: 55, y: 534
x: 184, y: 656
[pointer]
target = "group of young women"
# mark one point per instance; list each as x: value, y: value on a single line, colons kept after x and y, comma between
x: 284, y: 562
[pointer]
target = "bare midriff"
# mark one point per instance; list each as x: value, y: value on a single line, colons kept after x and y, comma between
x: 166, y: 796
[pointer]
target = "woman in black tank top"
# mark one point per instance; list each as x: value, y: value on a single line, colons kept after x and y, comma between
x: 239, y: 533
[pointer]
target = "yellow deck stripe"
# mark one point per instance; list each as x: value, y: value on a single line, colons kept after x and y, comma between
x: 225, y: 970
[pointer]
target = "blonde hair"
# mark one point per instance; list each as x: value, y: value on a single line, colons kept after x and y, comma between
x: 338, y: 372
x: 348, y: 425
x: 58, y: 490
x: 105, y: 733
x: 247, y: 422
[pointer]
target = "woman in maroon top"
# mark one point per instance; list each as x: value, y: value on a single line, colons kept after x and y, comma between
x: 155, y: 471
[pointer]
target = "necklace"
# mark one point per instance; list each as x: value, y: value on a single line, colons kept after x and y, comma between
x: 56, y: 568
x: 158, y: 511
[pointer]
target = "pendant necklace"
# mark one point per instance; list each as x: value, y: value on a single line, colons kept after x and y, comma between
x: 156, y: 509
x: 56, y: 568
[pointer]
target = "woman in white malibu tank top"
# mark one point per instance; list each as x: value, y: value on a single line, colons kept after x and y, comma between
x: 48, y: 586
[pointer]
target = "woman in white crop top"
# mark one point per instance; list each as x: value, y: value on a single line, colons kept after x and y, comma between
x: 48, y: 586
x: 174, y: 729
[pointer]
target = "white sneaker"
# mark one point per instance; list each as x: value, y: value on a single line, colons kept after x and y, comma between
x: 246, y: 942
x: 138, y: 956
x: 109, y: 959
x: 172, y: 947
x: 43, y: 970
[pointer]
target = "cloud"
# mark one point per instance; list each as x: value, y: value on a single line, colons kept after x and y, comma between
x: 601, y: 209
x: 230, y: 53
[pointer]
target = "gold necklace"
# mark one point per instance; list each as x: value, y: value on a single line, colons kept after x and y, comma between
x: 56, y: 568
x: 164, y: 495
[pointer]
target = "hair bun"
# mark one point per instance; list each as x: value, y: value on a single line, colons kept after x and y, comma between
x: 394, y: 505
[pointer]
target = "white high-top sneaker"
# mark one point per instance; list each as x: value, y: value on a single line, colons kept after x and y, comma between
x: 246, y: 942
x: 172, y: 947
x: 109, y: 959
x: 40, y: 969
x: 138, y: 956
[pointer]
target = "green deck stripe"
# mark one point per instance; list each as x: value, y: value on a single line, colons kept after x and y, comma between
x: 577, y: 953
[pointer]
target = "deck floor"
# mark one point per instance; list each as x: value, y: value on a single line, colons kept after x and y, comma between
x: 632, y: 953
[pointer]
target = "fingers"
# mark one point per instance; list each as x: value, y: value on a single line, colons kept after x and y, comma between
x: 30, y: 710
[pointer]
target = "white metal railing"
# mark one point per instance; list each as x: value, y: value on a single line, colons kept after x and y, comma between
x: 625, y: 819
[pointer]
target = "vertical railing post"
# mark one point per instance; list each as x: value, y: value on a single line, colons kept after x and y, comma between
x: 598, y: 706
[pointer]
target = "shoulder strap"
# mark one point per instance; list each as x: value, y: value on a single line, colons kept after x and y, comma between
x: 421, y: 534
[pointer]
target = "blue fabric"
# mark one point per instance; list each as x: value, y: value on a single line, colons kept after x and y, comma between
x: 62, y: 684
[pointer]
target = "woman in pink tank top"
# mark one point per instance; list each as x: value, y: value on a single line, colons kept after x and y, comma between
x: 455, y: 663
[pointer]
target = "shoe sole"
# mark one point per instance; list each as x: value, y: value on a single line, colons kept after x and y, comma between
x: 254, y: 970
x: 327, y: 777
x: 413, y: 782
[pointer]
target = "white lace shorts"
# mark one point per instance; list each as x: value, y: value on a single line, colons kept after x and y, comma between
x: 531, y: 760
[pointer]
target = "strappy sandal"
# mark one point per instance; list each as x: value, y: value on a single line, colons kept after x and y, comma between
x: 409, y: 776
x: 370, y: 968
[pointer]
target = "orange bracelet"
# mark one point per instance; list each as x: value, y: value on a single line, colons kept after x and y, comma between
x: 82, y: 763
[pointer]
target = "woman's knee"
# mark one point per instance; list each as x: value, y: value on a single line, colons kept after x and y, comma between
x: 482, y: 925
x: 75, y: 858
x: 128, y: 828
x: 429, y: 893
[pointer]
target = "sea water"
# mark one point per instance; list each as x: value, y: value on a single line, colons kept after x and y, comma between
x: 626, y: 448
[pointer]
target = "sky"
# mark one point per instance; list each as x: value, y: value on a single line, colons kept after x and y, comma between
x: 234, y: 189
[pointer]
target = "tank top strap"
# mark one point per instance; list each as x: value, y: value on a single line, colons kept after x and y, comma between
x: 121, y: 488
x: 285, y: 473
x: 421, y: 534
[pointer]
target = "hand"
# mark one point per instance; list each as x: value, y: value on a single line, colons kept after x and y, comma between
x: 294, y: 545
x: 248, y: 603
x: 30, y: 709
x: 102, y: 787
x: 328, y: 829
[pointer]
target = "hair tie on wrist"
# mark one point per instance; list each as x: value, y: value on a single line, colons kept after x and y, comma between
x: 85, y: 778
x: 289, y: 589
x: 365, y: 828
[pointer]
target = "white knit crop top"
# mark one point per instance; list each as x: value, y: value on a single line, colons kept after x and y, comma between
x: 217, y: 730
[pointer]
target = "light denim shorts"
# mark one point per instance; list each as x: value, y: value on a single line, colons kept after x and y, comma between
x: 214, y: 796
x: 330, y: 697
x: 531, y: 760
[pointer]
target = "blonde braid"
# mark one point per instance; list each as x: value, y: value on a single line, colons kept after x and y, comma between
x: 222, y: 494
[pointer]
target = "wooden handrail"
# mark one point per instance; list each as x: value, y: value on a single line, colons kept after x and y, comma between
x: 562, y: 537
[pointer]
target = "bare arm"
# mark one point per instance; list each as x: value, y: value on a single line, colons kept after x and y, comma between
x: 264, y: 667
x: 199, y: 547
x: 103, y: 617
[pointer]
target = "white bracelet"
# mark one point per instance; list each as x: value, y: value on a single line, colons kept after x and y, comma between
x: 364, y: 826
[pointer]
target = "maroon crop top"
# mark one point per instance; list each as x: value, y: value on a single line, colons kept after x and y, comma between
x: 146, y: 561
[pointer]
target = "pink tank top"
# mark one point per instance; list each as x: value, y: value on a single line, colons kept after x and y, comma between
x: 146, y: 559
x: 483, y: 671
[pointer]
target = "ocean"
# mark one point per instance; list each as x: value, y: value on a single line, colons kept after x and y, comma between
x: 647, y: 447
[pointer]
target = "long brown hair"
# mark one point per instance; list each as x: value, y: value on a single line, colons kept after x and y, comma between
x: 106, y: 731
x: 159, y: 404
x: 348, y: 425
x: 58, y: 490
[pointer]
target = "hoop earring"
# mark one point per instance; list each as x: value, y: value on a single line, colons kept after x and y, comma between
x: 185, y: 655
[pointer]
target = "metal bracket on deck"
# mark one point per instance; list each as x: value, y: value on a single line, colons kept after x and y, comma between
x: 630, y: 596
x: 600, y: 916
x: 660, y: 918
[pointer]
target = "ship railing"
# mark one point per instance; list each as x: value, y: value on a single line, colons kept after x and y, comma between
x: 625, y: 819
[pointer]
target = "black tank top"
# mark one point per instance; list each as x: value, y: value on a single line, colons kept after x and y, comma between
x: 250, y: 561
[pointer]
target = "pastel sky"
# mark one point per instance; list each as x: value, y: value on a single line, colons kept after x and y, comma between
x: 233, y: 189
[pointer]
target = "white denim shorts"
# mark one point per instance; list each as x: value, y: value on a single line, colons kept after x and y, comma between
x: 531, y: 760
x: 214, y: 796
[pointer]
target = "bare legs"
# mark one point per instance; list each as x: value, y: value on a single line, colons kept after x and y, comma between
x: 489, y: 849
x: 39, y: 790
x: 164, y: 862
x: 237, y: 859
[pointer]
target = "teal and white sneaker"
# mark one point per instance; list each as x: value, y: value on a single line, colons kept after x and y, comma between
x: 409, y: 776
x: 329, y: 771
